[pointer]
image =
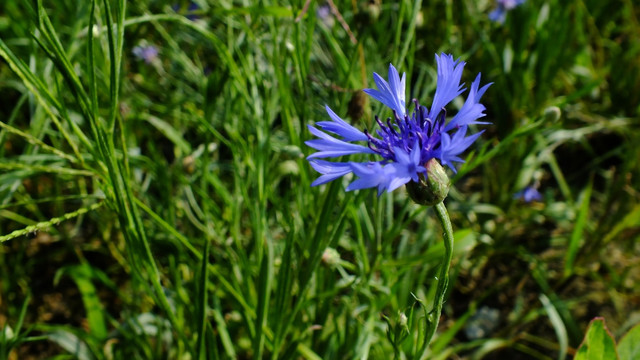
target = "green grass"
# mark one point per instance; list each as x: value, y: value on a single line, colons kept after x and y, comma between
x: 164, y: 210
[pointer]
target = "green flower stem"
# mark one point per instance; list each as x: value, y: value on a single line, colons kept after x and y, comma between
x: 443, y: 280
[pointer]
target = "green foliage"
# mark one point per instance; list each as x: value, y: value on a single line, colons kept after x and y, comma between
x: 599, y: 344
x: 163, y: 209
x: 629, y: 345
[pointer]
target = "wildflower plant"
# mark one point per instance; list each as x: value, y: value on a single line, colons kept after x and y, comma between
x: 499, y: 14
x: 411, y: 149
x: 528, y: 194
x: 409, y: 143
x: 148, y: 53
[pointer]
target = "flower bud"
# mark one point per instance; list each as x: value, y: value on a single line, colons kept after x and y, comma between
x: 552, y: 114
x: 330, y: 257
x: 402, y: 320
x: 432, y: 190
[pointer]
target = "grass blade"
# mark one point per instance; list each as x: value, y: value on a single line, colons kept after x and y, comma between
x: 577, y: 234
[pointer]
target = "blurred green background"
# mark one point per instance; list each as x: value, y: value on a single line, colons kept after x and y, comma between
x: 155, y: 200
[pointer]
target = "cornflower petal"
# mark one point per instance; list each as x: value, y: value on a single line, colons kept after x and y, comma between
x: 332, y: 147
x: 398, y: 177
x: 341, y: 127
x: 401, y: 156
x: 472, y: 109
x: 406, y: 168
x: 398, y: 87
x: 369, y: 175
x: 451, y: 147
x: 329, y: 170
x: 390, y: 93
x: 408, y: 165
x: 448, y: 83
x: 415, y: 153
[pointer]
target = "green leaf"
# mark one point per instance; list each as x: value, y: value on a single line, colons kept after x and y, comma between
x: 577, y: 234
x: 558, y: 325
x: 264, y: 296
x: 629, y: 345
x: 71, y: 343
x: 598, y: 344
x: 445, y: 338
x: 630, y: 221
x: 82, y: 275
x: 202, y: 305
x: 170, y: 132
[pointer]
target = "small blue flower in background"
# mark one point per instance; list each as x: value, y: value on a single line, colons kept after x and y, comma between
x: 148, y: 53
x: 528, y: 194
x: 323, y: 12
x: 191, y: 12
x: 405, y: 142
x: 500, y: 13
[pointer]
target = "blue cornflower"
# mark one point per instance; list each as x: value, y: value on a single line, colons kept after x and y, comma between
x: 148, y: 53
x: 500, y: 13
x: 406, y: 142
x: 191, y: 12
x: 323, y: 12
x: 528, y: 194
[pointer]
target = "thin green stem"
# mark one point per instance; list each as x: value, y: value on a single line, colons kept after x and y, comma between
x: 443, y: 280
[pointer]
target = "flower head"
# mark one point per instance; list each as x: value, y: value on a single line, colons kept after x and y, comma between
x: 528, y: 194
x: 500, y: 13
x: 323, y: 12
x: 407, y: 141
x: 148, y: 53
x: 191, y: 12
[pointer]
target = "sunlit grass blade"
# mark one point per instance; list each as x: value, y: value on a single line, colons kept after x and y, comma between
x: 578, y: 232
x: 201, y: 350
x: 35, y: 169
x: 44, y: 97
x: 264, y: 284
x: 81, y: 275
x: 49, y: 223
x: 558, y: 326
